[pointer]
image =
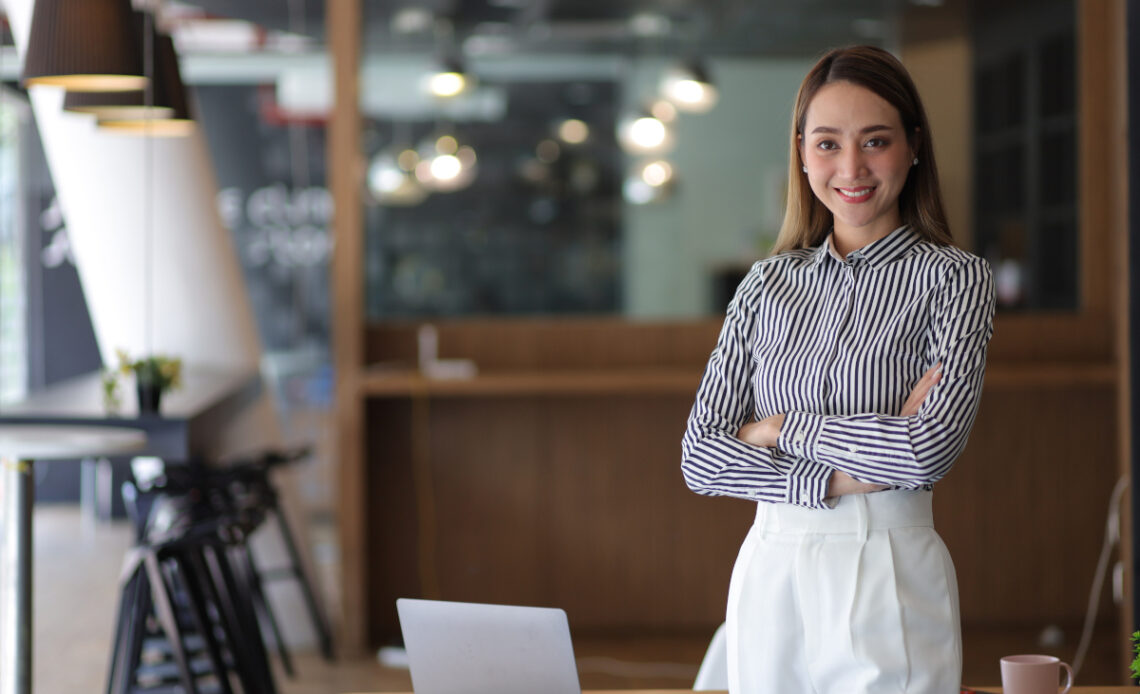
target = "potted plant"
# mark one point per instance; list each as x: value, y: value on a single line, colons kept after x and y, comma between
x: 153, y: 376
x: 1136, y: 651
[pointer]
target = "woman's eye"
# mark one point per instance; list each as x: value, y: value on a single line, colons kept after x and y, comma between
x: 827, y: 144
x: 876, y: 142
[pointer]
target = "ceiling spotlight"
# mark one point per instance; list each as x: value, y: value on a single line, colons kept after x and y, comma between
x: 643, y: 133
x: 444, y: 165
x: 649, y: 182
x: 690, y: 88
x: 647, y: 132
x: 450, y: 81
x: 657, y: 173
x: 389, y: 184
x: 407, y: 159
x: 447, y: 84
x: 446, y: 144
x: 573, y: 131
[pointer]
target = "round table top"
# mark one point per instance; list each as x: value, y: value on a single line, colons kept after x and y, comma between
x: 55, y: 442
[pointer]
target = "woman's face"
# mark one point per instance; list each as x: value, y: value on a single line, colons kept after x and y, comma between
x: 857, y: 158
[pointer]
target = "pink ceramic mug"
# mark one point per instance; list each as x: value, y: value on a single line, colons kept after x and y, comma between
x: 1033, y: 674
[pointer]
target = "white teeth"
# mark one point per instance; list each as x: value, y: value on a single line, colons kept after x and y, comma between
x: 858, y: 194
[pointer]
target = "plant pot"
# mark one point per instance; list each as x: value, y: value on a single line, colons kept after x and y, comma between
x: 150, y: 397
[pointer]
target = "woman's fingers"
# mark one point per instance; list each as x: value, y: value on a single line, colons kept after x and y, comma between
x: 842, y: 484
x: 921, y: 390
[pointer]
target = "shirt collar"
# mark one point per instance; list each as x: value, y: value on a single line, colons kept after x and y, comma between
x: 877, y: 253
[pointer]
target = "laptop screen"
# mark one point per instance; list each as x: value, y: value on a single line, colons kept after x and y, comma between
x: 472, y: 648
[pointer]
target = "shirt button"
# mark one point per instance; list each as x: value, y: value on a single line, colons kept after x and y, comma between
x: 799, y: 437
x: 752, y: 493
x: 853, y: 449
x: 805, y: 497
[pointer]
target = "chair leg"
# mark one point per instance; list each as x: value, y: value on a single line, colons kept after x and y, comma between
x: 122, y: 630
x: 202, y: 620
x: 234, y: 638
x: 242, y: 558
x: 320, y: 621
x: 136, y: 632
x: 164, y: 611
x: 255, y: 664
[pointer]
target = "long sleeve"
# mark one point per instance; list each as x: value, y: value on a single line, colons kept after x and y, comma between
x: 911, y: 452
x: 715, y: 462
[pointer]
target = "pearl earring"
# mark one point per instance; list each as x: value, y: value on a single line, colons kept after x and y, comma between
x: 804, y: 167
x: 915, y: 162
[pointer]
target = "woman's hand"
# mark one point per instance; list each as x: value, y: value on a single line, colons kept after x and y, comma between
x: 841, y: 483
x: 765, y: 433
x: 921, y: 390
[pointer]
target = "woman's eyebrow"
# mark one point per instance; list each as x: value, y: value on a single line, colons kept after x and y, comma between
x: 836, y: 131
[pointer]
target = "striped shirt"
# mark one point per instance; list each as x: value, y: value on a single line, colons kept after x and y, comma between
x: 837, y: 344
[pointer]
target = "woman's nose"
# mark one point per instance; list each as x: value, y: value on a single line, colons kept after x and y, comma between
x: 851, y: 163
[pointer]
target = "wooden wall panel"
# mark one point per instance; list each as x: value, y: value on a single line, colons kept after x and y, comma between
x: 634, y: 548
x: 572, y: 502
x: 578, y: 502
x: 540, y: 343
x: 487, y: 468
x: 1023, y: 510
x: 391, y: 529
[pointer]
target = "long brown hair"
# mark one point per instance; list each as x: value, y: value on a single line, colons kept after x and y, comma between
x: 806, y: 219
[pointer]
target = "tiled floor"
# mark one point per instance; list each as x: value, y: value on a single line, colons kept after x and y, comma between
x: 76, y: 589
x: 77, y: 567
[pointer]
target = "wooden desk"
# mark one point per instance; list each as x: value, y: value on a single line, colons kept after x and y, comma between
x: 70, y: 420
x: 995, y: 690
x: 1081, y: 690
x: 180, y: 431
x: 20, y: 447
x: 670, y: 691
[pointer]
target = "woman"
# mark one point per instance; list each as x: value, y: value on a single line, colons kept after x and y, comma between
x: 842, y: 387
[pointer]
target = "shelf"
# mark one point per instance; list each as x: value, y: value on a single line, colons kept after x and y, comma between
x: 399, y: 383
x: 380, y: 382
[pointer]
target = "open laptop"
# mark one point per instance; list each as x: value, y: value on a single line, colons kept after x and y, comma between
x: 472, y: 648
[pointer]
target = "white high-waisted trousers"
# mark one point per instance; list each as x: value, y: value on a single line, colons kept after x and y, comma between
x: 861, y: 599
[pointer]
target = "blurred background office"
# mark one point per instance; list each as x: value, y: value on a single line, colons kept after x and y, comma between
x: 541, y: 211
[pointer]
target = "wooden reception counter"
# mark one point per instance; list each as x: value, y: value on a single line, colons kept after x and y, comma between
x: 552, y: 478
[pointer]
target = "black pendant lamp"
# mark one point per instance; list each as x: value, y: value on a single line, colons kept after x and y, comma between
x: 114, y: 105
x: 170, y: 109
x: 83, y: 46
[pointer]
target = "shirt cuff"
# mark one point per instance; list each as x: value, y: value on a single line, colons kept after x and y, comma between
x: 799, y: 434
x: 807, y: 484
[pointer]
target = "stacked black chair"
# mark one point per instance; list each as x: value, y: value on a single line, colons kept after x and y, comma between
x: 248, y: 484
x: 192, y: 610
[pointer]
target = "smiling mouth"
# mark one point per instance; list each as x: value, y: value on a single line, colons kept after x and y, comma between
x: 860, y: 194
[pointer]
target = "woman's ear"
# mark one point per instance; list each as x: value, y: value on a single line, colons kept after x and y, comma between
x: 915, y: 142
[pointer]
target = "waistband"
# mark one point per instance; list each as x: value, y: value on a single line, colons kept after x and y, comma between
x: 854, y: 513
